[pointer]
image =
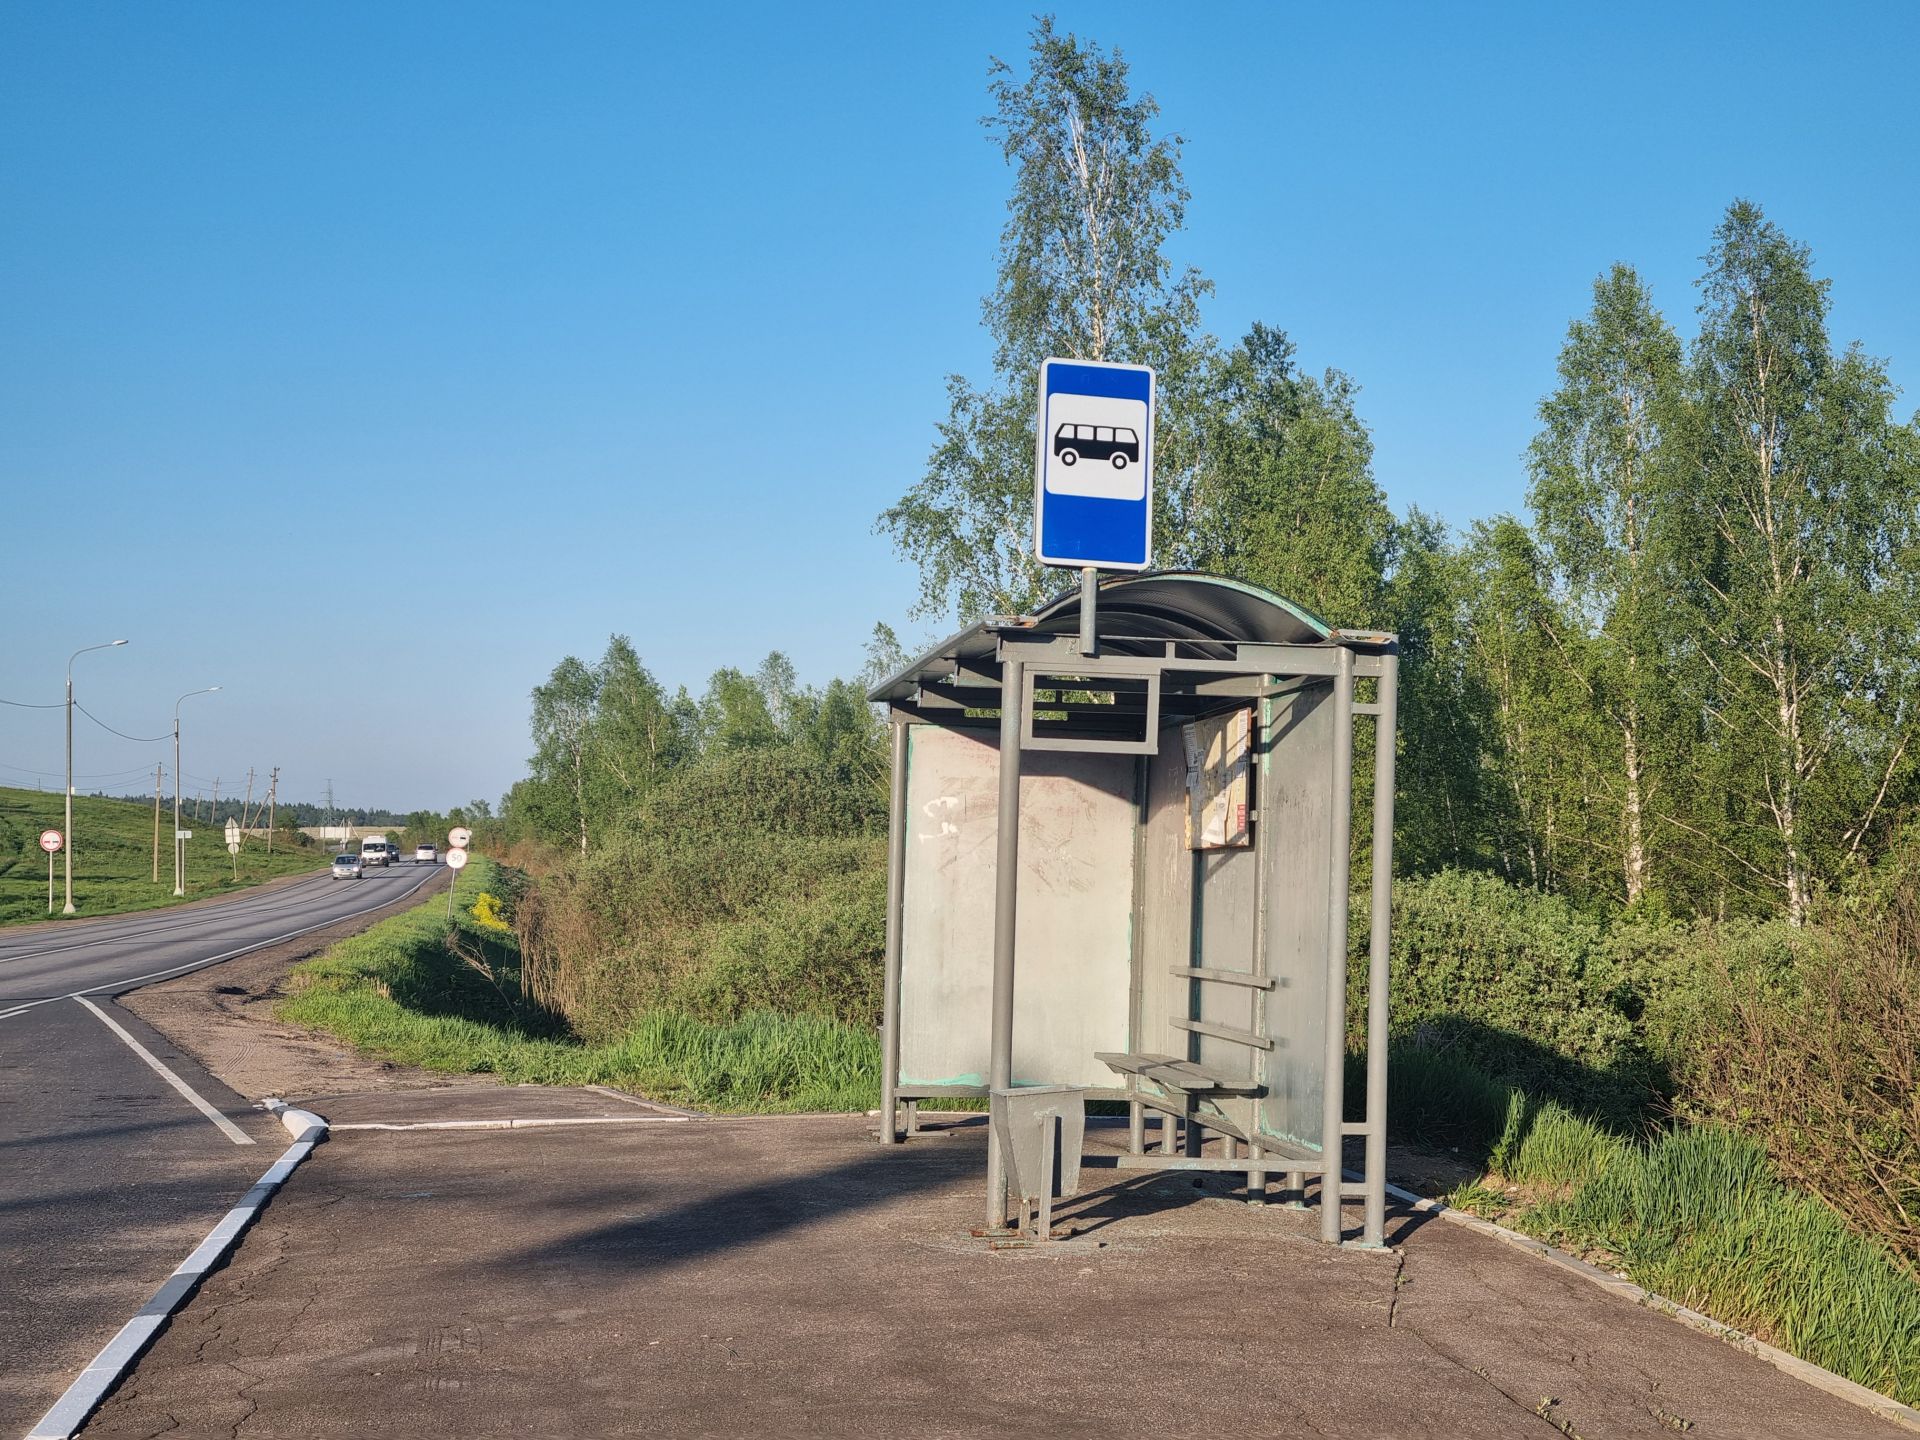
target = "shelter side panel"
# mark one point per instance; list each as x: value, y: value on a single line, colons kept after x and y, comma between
x: 1297, y: 813
x: 1073, y: 943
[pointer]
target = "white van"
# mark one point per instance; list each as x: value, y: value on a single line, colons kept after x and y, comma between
x: 377, y: 850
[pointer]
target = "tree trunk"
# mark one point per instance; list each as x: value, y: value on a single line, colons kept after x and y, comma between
x: 1636, y: 852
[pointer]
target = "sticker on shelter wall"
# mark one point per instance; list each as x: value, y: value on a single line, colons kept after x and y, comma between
x: 1218, y: 750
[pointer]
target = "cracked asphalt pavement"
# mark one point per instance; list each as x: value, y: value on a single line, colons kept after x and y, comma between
x: 109, y: 1176
x: 787, y: 1276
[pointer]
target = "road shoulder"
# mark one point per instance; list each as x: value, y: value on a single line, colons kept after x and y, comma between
x: 223, y: 1016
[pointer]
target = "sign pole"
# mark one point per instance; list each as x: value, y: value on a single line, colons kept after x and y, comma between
x: 1089, y: 590
x: 53, y: 842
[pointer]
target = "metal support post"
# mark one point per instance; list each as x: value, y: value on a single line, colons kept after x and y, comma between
x: 1006, y: 895
x: 896, y: 895
x: 67, y: 849
x: 1089, y: 590
x: 176, y: 798
x: 1340, y: 843
x: 1374, y: 1230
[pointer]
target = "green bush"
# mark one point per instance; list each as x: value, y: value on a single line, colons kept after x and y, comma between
x: 1525, y: 988
x: 416, y: 991
x: 750, y: 881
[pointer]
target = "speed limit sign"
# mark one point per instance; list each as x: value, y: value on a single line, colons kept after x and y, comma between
x: 456, y: 858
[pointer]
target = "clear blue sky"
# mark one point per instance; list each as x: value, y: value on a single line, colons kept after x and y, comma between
x: 367, y: 358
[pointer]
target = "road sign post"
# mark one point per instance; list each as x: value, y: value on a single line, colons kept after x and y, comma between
x: 1093, y: 473
x: 233, y: 844
x: 51, y: 841
x: 456, y: 862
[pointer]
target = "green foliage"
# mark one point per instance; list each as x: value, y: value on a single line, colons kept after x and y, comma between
x: 1083, y: 273
x: 751, y: 880
x: 1521, y: 986
x: 1698, y: 1216
x: 1288, y: 499
x: 113, y: 857
x: 415, y: 992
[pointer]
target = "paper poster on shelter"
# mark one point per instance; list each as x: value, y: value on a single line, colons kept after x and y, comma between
x: 1218, y: 749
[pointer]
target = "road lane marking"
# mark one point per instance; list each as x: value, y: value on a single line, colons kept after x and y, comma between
x: 94, y: 1383
x: 232, y: 1131
x: 119, y: 985
x: 532, y: 1124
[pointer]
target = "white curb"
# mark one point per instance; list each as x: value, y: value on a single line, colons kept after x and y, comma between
x: 94, y: 1383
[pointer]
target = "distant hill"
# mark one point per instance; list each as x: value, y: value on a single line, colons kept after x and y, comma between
x: 113, y: 859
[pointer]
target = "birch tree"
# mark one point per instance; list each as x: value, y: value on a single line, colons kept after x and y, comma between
x: 1601, y: 477
x: 1805, y: 511
x: 1083, y: 274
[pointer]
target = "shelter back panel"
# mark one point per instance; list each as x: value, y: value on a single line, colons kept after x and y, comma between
x: 1072, y: 981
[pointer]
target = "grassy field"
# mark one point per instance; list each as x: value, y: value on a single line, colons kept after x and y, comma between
x: 113, y: 859
x: 416, y: 991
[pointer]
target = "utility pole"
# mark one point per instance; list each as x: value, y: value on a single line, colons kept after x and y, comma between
x: 329, y: 824
x: 67, y: 836
x: 179, y: 845
x: 273, y: 794
x: 156, y: 822
x: 214, y: 813
x: 246, y: 808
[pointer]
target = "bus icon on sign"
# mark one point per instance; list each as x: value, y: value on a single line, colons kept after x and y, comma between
x: 1116, y: 444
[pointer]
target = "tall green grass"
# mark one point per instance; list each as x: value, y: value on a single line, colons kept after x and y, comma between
x: 1698, y: 1215
x: 403, y: 991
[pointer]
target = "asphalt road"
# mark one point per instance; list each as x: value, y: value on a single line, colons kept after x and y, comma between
x: 110, y: 1172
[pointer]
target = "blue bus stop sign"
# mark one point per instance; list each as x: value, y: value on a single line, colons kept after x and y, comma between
x: 1093, y: 465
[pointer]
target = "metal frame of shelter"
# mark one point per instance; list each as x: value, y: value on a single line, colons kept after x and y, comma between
x: 1205, y: 984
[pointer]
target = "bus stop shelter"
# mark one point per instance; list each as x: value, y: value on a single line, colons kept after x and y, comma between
x: 1119, y: 859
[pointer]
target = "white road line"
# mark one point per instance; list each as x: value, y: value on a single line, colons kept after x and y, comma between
x: 94, y: 1383
x: 531, y: 1124
x: 118, y: 985
x: 232, y: 1131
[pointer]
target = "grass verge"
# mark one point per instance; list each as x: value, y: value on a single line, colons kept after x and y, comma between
x: 113, y: 857
x: 419, y: 992
x: 1696, y: 1214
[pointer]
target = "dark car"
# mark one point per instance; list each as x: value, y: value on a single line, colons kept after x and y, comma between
x: 1115, y: 443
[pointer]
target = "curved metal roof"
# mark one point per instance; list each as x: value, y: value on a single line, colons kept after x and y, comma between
x: 1138, y: 614
x: 1186, y: 605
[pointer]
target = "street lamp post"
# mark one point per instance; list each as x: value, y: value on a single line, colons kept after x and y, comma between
x: 104, y: 645
x: 178, y: 888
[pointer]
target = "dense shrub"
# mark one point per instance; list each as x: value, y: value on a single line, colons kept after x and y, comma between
x: 1815, y: 1051
x: 751, y: 881
x: 1524, y: 988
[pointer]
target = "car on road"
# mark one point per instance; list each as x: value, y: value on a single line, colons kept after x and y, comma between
x: 348, y: 867
x: 378, y: 850
x: 426, y: 855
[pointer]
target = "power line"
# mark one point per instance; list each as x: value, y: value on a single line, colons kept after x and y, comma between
x: 137, y: 739
x: 60, y: 774
x: 23, y: 705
